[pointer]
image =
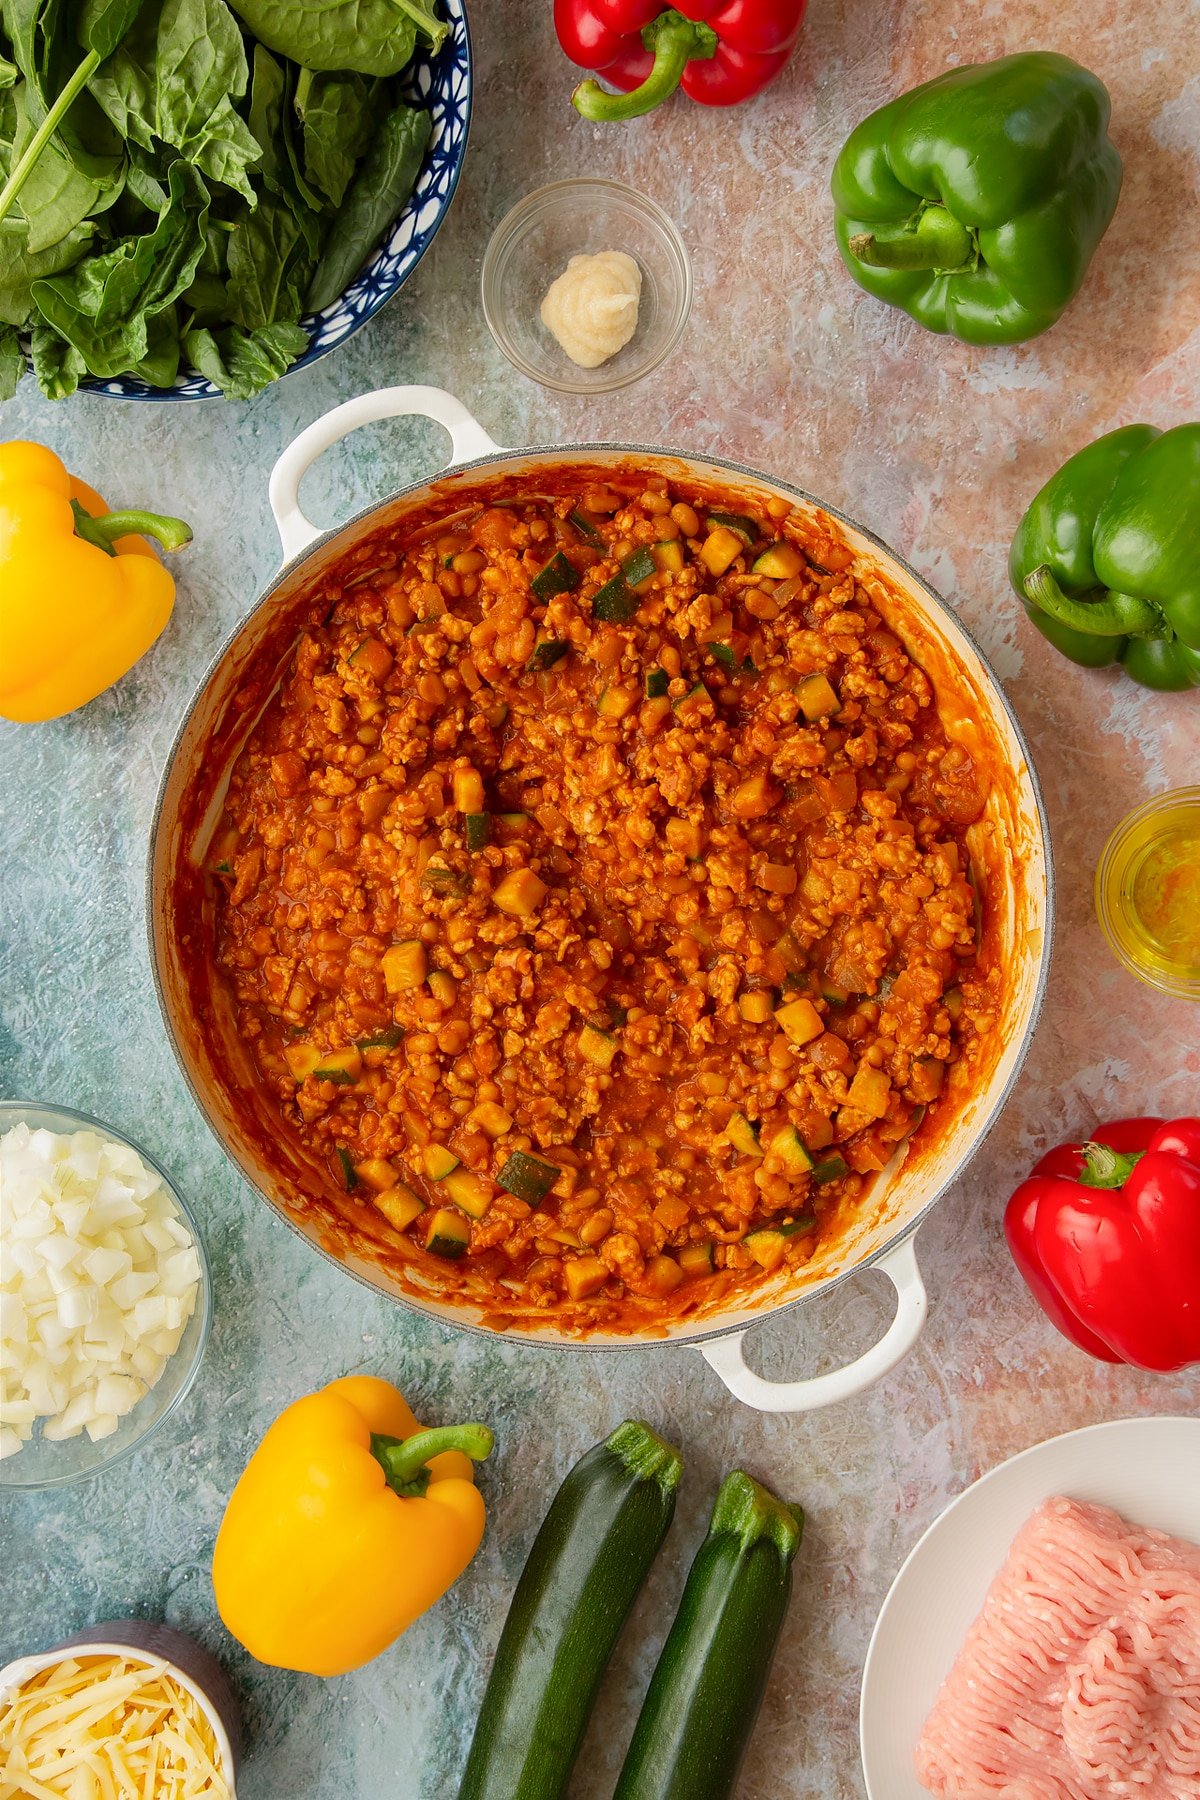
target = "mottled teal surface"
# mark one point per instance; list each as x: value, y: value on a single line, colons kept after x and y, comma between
x: 784, y: 365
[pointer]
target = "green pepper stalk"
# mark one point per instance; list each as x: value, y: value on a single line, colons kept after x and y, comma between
x: 931, y: 239
x: 675, y: 42
x: 104, y: 530
x: 1106, y: 560
x: 404, y: 1460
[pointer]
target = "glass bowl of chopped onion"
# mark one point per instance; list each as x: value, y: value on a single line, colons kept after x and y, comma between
x: 105, y: 1296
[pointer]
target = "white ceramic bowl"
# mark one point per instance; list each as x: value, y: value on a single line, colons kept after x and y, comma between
x: 1146, y: 1469
x: 157, y: 1646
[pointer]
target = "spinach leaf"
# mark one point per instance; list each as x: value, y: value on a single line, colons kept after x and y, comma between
x: 160, y: 364
x: 20, y: 268
x: 102, y: 306
x: 384, y: 182
x: 272, y: 254
x: 267, y: 88
x: 57, y: 364
x: 103, y: 23
x: 177, y: 77
x: 337, y: 113
x: 8, y: 72
x: 55, y: 196
x: 12, y: 362
x: 242, y: 363
x: 48, y: 57
x: 375, y: 37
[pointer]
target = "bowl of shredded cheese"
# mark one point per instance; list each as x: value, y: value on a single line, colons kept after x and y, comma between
x: 128, y: 1711
x: 105, y: 1298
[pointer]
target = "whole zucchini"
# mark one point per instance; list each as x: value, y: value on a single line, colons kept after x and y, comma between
x: 705, y: 1693
x: 587, y: 1563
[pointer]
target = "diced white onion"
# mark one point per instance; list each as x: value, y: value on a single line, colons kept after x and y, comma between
x: 98, y: 1279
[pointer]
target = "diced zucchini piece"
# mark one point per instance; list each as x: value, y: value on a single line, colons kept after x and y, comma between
x: 720, y: 548
x: 492, y: 1118
x: 469, y: 1191
x: 383, y: 1040
x: 560, y: 576
x: 514, y: 824
x: 341, y: 1066
x: 797, y: 1227
x: 756, y: 1006
x: 399, y: 1206
x: 496, y: 714
x: 800, y: 1020
x: 597, y: 1046
x: 468, y: 790
x: 443, y: 987
x: 349, y: 1172
x: 792, y: 1151
x: 639, y: 567
x: 831, y: 991
x: 447, y: 1233
x: 766, y: 1247
x: 790, y: 953
x: 818, y: 697
x: 302, y: 1059
x: 374, y: 657
x: 743, y: 1135
x: 520, y: 893
x: 478, y: 830
x: 746, y: 527
x: 587, y: 527
x: 753, y: 798
x: 686, y: 836
x: 668, y: 556
x: 377, y: 1172
x: 617, y: 1016
x: 584, y: 1276
x: 724, y: 654
x: 830, y: 1168
x: 662, y: 1275
x: 657, y: 683
x: 445, y: 881
x: 547, y: 653
x: 404, y: 966
x: 614, y: 603
x: 688, y: 706
x: 439, y: 1161
x: 562, y: 1234
x: 696, y: 1260
x: 528, y: 1177
x: 870, y: 1091
x: 780, y: 561
x: 615, y: 702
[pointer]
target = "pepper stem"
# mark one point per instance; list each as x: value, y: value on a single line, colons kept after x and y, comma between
x: 932, y: 239
x: 676, y: 42
x: 172, y: 534
x: 1104, y: 1167
x: 24, y: 165
x: 403, y: 1460
x: 1117, y: 615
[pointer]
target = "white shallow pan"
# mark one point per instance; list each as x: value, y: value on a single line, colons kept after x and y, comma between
x: 1016, y: 882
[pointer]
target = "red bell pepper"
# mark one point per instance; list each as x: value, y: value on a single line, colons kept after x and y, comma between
x: 719, y: 51
x: 1107, y: 1235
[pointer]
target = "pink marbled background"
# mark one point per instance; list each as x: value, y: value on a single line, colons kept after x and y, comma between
x: 937, y: 447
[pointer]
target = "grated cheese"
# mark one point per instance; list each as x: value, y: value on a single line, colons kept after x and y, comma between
x: 107, y: 1728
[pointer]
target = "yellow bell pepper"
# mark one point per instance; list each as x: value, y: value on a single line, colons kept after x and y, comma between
x: 82, y: 596
x: 349, y: 1521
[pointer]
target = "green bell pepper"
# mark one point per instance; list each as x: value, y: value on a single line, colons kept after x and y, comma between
x: 976, y: 201
x: 1107, y: 559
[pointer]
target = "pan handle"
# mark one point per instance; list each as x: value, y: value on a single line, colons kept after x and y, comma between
x: 724, y: 1355
x: 468, y: 440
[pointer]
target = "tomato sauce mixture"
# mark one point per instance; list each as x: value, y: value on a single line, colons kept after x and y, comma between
x: 594, y: 895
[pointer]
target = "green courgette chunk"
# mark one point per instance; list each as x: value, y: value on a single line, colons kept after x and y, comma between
x: 705, y: 1693
x: 587, y: 1564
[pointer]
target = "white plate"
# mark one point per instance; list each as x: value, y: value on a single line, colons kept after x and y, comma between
x: 1147, y: 1469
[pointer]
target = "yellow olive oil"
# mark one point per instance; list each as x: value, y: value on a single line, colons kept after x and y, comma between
x: 1148, y: 892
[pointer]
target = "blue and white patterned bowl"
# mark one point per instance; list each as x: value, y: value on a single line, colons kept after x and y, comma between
x: 441, y: 82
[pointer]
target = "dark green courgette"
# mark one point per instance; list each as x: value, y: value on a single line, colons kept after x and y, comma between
x: 705, y: 1693
x: 615, y: 603
x: 587, y: 1564
x: 558, y: 577
x: 528, y: 1177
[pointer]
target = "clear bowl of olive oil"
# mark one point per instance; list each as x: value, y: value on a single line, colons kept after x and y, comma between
x: 1148, y: 892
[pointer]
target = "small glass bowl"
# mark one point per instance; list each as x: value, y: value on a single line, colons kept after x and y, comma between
x: 1152, y: 855
x: 42, y: 1464
x: 532, y: 245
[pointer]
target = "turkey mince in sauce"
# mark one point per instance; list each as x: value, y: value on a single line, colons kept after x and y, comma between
x: 594, y: 899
